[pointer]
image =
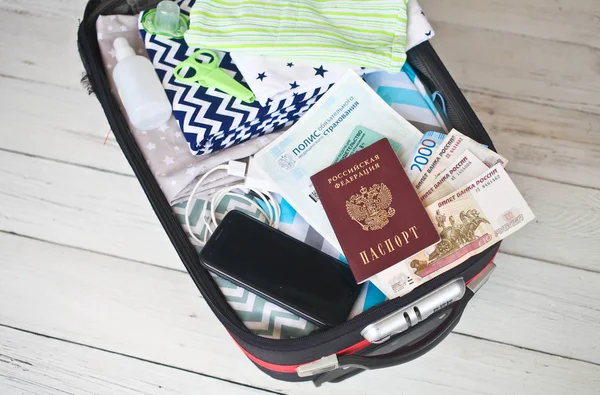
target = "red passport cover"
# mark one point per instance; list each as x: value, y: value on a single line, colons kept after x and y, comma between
x: 374, y: 210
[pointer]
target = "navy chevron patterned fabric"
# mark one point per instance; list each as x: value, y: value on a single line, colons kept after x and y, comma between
x: 210, y: 119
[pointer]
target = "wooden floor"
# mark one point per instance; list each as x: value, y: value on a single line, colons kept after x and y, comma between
x: 94, y: 300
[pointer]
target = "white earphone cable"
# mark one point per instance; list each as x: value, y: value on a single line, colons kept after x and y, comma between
x: 235, y: 168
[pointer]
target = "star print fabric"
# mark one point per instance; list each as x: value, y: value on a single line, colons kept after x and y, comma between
x: 280, y: 79
x: 419, y: 29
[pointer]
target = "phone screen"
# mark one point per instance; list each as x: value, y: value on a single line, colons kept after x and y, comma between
x: 290, y: 273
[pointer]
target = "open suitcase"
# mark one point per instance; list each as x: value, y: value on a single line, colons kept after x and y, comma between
x: 329, y: 355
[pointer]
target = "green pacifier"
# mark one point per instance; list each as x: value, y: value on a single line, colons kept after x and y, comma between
x: 166, y: 20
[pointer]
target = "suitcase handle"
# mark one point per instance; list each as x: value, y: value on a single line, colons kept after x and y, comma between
x: 350, y: 365
x: 408, y: 353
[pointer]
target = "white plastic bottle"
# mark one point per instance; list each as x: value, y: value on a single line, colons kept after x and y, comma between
x: 141, y: 92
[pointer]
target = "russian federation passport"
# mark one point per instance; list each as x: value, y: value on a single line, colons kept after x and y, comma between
x: 374, y: 210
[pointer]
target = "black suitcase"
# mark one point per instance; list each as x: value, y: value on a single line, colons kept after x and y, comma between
x: 329, y: 355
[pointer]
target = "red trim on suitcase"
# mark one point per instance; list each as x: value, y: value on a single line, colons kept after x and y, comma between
x: 292, y: 368
x: 491, y: 261
x: 349, y: 350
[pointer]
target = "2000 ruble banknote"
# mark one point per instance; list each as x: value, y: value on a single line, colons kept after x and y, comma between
x: 454, y: 145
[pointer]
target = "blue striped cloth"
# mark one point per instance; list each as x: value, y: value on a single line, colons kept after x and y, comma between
x: 407, y: 95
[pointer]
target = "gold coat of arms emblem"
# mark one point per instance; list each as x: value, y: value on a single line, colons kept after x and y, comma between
x: 371, y: 207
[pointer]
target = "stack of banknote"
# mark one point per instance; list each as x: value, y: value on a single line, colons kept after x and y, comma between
x: 469, y: 198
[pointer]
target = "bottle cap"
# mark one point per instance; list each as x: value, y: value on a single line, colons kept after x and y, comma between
x: 122, y: 49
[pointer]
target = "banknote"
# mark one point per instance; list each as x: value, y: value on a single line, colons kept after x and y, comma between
x: 422, y: 153
x: 479, y: 214
x: 454, y: 145
x: 466, y: 167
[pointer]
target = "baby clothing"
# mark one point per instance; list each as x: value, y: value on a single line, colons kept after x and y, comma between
x: 272, y: 78
x: 368, y: 33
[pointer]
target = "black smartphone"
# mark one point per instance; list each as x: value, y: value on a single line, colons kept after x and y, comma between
x: 283, y: 270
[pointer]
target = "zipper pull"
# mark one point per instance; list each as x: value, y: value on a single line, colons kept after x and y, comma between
x: 322, y: 365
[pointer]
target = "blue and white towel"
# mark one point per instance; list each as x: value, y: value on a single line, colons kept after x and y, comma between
x: 209, y: 119
x: 407, y: 95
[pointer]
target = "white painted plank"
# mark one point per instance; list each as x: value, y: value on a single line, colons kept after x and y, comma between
x: 56, y: 9
x: 81, y: 207
x: 157, y: 314
x: 552, y: 159
x: 519, y: 67
x: 565, y: 230
x: 539, y: 306
x: 576, y: 22
x: 109, y: 213
x: 545, y: 122
x: 552, y: 143
x: 31, y: 364
x: 58, y: 123
x: 41, y: 49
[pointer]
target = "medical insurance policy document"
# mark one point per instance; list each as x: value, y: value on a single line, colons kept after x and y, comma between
x: 348, y: 118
